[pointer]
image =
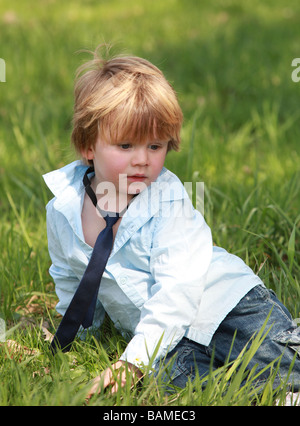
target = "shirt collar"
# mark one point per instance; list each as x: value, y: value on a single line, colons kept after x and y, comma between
x: 67, y: 186
x: 67, y: 180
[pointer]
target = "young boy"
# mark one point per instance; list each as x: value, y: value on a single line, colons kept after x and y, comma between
x: 164, y: 279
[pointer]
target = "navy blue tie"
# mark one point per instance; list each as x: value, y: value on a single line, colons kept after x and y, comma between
x: 82, y: 307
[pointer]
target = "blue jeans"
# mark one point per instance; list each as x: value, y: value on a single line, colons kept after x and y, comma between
x: 246, y: 319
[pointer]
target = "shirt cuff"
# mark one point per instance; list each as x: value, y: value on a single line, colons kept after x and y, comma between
x: 142, y: 353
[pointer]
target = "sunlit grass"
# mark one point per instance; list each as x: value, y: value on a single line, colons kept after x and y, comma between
x: 230, y: 63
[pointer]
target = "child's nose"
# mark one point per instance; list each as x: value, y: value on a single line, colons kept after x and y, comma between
x: 140, y: 156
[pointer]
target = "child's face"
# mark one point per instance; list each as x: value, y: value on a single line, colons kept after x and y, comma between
x: 140, y: 163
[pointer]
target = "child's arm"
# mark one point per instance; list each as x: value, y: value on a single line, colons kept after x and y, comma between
x: 65, y: 280
x: 180, y: 257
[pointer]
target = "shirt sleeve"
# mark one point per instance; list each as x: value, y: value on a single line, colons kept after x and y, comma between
x: 180, y: 257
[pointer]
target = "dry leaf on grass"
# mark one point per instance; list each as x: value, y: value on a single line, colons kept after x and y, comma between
x: 15, y: 347
x: 47, y: 335
x: 17, y: 351
x: 37, y: 303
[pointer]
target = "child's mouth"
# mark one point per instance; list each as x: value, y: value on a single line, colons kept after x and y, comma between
x: 137, y: 178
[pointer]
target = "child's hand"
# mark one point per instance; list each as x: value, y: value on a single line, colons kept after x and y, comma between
x: 110, y: 377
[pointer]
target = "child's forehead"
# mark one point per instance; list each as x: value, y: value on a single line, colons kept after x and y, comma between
x: 137, y: 142
x: 136, y: 134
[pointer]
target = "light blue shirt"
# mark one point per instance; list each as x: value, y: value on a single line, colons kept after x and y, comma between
x: 164, y: 278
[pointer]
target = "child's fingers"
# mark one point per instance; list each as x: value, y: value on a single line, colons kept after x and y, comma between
x: 100, y: 382
x: 113, y: 376
x: 96, y: 387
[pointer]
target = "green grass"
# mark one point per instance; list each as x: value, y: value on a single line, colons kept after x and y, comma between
x: 230, y: 63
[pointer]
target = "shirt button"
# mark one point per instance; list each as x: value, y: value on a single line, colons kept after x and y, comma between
x: 123, y: 280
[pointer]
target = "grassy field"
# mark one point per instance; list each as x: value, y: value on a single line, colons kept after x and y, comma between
x: 230, y: 63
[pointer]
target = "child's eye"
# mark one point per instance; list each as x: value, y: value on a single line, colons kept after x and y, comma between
x: 154, y: 147
x: 125, y: 145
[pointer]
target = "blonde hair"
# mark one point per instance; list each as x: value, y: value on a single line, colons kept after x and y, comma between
x: 125, y: 98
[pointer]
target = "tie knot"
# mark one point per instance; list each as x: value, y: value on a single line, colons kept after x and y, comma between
x: 111, y: 219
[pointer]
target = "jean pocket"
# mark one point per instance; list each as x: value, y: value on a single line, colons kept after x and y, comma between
x: 290, y: 338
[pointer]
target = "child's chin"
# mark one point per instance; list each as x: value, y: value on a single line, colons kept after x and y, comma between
x: 136, y: 187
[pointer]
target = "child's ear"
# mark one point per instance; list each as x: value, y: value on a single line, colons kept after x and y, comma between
x: 87, y: 153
